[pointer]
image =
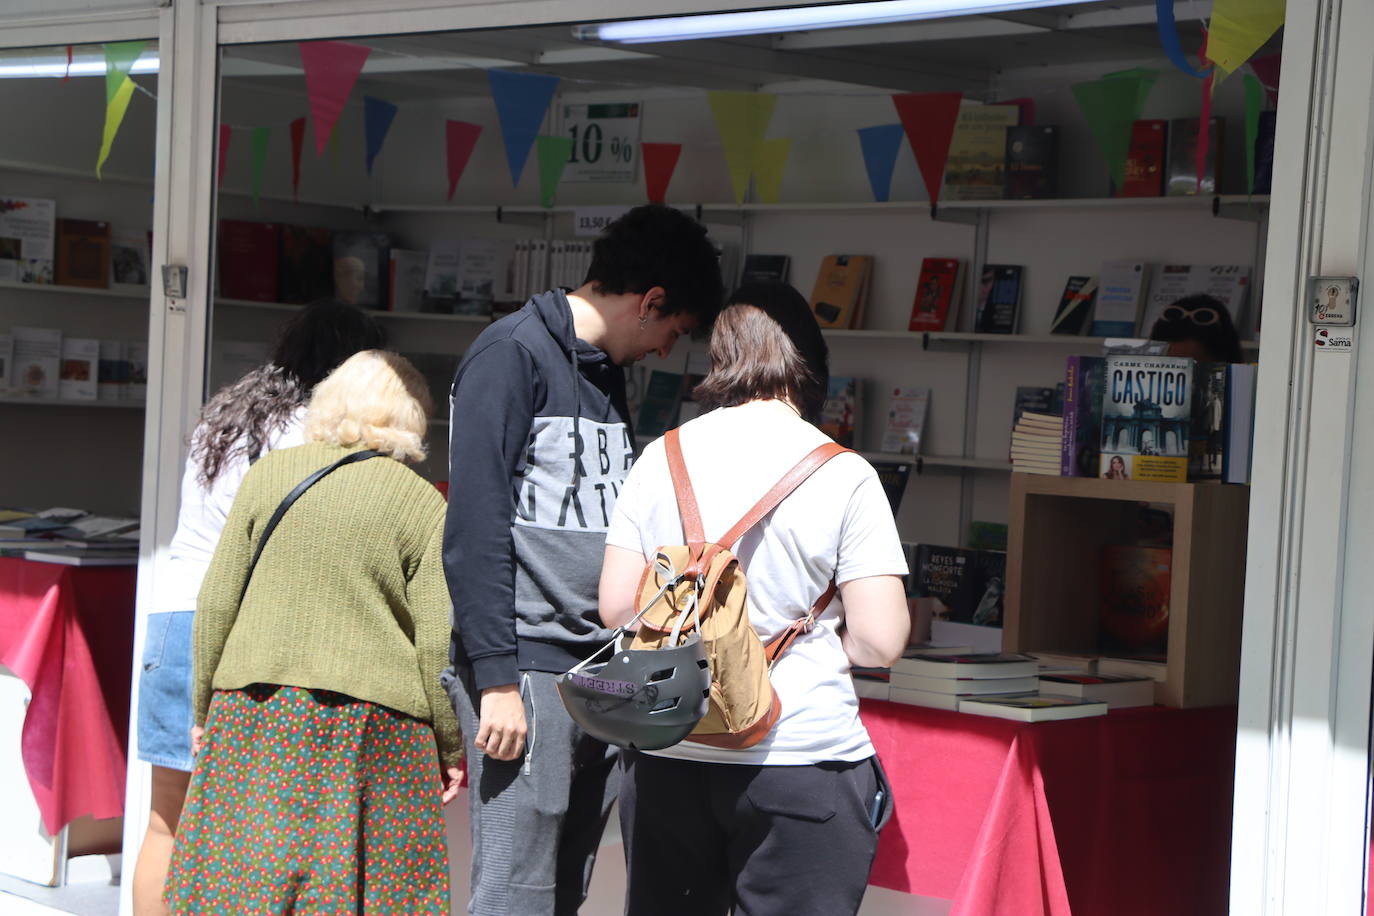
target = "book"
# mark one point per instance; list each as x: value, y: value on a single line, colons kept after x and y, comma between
x: 27, y: 228
x: 1032, y: 709
x: 870, y: 688
x: 1144, y: 174
x: 975, y: 168
x: 80, y: 369
x: 78, y: 557
x: 1207, y: 422
x: 305, y: 264
x: 1075, y: 306
x: 1120, y: 294
x: 1238, y: 431
x: 136, y: 354
x: 37, y: 361
x: 969, y: 665
x: 130, y: 258
x: 1081, y: 435
x: 841, y: 289
x: 987, y: 535
x: 658, y: 407
x: 893, y: 475
x: 933, y: 699
x: 484, y: 271
x: 1152, y: 666
x: 406, y: 280
x: 1036, y: 400
x: 83, y: 253
x: 1227, y: 283
x: 1133, y: 616
x: 967, y: 686
x: 1065, y: 663
x: 1032, y: 159
x: 1264, y: 152
x: 1118, y: 691
x: 360, y: 262
x: 999, y: 299
x: 1146, y: 408
x: 960, y: 585
x: 765, y: 268
x: 840, y: 413
x: 937, y: 295
x: 1181, y: 176
x: 1037, y: 435
x: 248, y: 255
x: 442, y: 269
x: 907, y: 409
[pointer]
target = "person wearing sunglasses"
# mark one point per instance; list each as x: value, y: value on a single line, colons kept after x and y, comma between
x: 1199, y: 326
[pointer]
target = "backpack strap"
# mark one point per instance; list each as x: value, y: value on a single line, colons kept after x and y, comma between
x: 686, y: 499
x: 783, y: 641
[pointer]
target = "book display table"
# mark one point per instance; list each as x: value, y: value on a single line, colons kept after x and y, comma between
x: 1127, y: 814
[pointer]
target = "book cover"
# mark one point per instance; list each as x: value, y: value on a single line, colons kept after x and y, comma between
x: 305, y: 266
x: 136, y: 352
x: 1032, y: 162
x: 976, y: 166
x: 113, y: 372
x: 967, y: 665
x: 960, y: 585
x: 1207, y: 424
x: 1033, y: 708
x: 1227, y: 283
x: 1134, y: 614
x: 80, y: 369
x: 360, y: 261
x: 1081, y: 439
x: 1181, y: 172
x: 83, y: 253
x: 130, y: 258
x: 406, y: 280
x: 1146, y: 406
x: 1144, y: 175
x: 1120, y: 295
x: 1239, y: 430
x: 27, y: 229
x: 37, y: 361
x: 841, y: 287
x: 999, y: 299
x: 443, y: 268
x: 1075, y: 307
x: 484, y: 270
x: 907, y: 409
x: 248, y: 255
x: 1264, y: 152
x: 765, y: 268
x: 657, y: 409
x: 893, y: 475
x: 937, y: 295
x: 840, y: 412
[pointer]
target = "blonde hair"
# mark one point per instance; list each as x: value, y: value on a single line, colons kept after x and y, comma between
x: 376, y: 399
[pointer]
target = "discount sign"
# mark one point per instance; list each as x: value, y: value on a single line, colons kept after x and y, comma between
x: 605, y: 142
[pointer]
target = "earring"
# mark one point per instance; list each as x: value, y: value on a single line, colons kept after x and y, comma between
x: 643, y: 320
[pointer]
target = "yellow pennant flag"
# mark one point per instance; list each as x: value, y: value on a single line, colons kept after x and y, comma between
x: 114, y: 116
x: 742, y: 119
x: 769, y: 165
x: 1239, y: 29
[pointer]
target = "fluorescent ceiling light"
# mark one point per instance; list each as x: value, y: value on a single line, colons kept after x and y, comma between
x: 50, y: 65
x: 764, y: 22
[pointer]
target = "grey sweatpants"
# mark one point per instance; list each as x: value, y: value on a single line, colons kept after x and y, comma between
x: 537, y: 820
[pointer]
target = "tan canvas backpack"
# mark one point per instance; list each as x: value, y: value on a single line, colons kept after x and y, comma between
x: 705, y: 577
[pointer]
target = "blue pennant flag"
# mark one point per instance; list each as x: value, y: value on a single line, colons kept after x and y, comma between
x: 880, y: 145
x: 377, y: 118
x: 521, y: 102
x: 1168, y: 38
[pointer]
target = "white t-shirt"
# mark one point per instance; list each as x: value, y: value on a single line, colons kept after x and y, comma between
x: 838, y: 523
x: 201, y: 519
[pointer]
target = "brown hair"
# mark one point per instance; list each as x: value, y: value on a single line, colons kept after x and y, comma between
x: 766, y: 344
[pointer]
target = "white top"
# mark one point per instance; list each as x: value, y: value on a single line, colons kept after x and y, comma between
x: 201, y: 519
x: 838, y: 523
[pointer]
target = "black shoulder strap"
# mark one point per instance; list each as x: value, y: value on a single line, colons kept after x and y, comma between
x: 291, y: 497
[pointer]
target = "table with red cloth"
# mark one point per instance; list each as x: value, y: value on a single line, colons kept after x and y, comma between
x: 1123, y: 814
x: 68, y: 633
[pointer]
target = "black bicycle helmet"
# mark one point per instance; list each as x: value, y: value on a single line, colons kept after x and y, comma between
x: 646, y: 699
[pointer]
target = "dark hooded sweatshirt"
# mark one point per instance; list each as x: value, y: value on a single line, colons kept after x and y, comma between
x: 529, y: 498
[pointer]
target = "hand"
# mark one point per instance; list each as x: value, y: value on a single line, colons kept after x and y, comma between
x: 197, y: 740
x: 501, y: 723
x: 453, y: 780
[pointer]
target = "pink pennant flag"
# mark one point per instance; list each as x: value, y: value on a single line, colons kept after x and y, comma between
x: 1266, y: 68
x: 225, y: 132
x: 297, y: 142
x: 331, y: 70
x: 660, y: 159
x: 461, y: 137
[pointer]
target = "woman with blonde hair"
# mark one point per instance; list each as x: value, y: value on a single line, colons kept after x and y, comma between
x: 322, y: 733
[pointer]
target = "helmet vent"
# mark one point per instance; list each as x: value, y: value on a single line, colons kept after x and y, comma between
x: 662, y: 674
x: 665, y: 704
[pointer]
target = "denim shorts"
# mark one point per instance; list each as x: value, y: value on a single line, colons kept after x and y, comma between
x: 164, y: 692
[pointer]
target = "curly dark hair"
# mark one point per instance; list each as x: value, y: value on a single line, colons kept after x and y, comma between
x: 1204, y: 319
x: 241, y: 417
x: 653, y: 246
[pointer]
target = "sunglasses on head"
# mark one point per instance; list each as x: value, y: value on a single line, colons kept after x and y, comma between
x: 1202, y: 316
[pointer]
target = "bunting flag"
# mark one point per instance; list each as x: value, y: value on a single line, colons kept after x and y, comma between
x: 928, y: 119
x: 67, y: 74
x: 1266, y: 67
x: 660, y: 159
x: 459, y: 137
x: 261, y: 139
x: 331, y: 70
x: 119, y: 89
x: 1254, y: 102
x: 522, y: 100
x: 769, y: 166
x: 1238, y: 29
x: 225, y: 133
x: 742, y: 120
x: 1144, y: 79
x: 1110, y: 105
x: 880, y: 146
x: 297, y: 144
x: 1168, y: 39
x: 553, y: 154
x: 1025, y: 104
x: 377, y: 118
x: 1204, y: 125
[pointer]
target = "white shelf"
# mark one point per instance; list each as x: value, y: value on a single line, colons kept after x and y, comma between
x: 143, y: 294
x: 375, y: 313
x: 61, y: 402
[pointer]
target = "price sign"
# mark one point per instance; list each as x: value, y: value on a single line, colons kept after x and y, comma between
x: 605, y: 140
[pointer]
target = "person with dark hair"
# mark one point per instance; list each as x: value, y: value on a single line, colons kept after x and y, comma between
x: 1200, y: 327
x: 790, y: 824
x: 262, y: 411
x: 540, y: 444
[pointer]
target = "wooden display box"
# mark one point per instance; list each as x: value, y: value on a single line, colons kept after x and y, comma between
x: 1057, y: 529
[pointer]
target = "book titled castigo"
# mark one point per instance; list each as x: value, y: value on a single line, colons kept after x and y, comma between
x: 1146, y: 401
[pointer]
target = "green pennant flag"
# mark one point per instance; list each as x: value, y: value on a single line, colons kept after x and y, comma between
x: 119, y: 89
x: 114, y: 116
x: 1254, y: 102
x: 769, y: 165
x: 261, y: 138
x: 1110, y: 105
x: 742, y: 120
x: 1144, y: 79
x: 553, y: 153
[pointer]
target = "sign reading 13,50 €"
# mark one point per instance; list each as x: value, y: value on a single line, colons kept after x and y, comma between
x: 605, y: 142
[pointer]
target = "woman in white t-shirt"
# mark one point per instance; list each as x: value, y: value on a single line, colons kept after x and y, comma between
x: 263, y: 410
x: 788, y: 825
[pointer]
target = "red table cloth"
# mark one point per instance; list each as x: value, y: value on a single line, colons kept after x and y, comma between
x: 68, y: 633
x: 1127, y: 814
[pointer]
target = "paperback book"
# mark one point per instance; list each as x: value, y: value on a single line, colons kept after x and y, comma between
x: 130, y: 258
x: 840, y: 414
x: 937, y: 295
x: 1146, y: 407
x: 907, y: 409
x: 80, y: 369
x: 841, y: 289
x: 765, y: 268
x: 1144, y: 174
x: 1033, y: 708
x: 37, y: 361
x: 248, y: 260
x: 1081, y: 440
x: 893, y: 475
x: 305, y: 271
x: 1120, y: 295
x: 1032, y: 162
x: 1182, y: 173
x: 406, y: 280
x: 83, y: 253
x: 976, y: 165
x: 999, y: 299
x: 1118, y: 691
x: 27, y: 228
x: 967, y: 665
x: 1075, y: 307
x: 960, y: 585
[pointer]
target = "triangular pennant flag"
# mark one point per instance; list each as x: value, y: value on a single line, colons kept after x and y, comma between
x: 1025, y: 104
x: 114, y: 116
x: 1266, y: 67
x: 1110, y: 106
x: 377, y: 118
x: 120, y: 57
x: 225, y: 132
x: 1254, y: 101
x: 1168, y: 39
x: 742, y: 120
x: 880, y: 145
x: 553, y: 153
x: 297, y: 143
x: 769, y: 166
x: 1238, y: 29
x: 261, y: 139
x: 660, y: 159
x: 331, y: 69
x: 1144, y: 79
x: 522, y: 100
x: 928, y: 119
x: 460, y: 137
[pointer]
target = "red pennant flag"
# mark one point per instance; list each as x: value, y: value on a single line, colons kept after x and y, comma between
x: 297, y: 142
x: 225, y: 132
x: 1204, y: 126
x: 1266, y: 68
x: 660, y: 159
x: 462, y: 137
x: 331, y: 69
x: 1025, y: 105
x: 928, y: 119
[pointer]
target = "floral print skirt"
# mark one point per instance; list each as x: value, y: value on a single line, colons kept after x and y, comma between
x: 306, y: 802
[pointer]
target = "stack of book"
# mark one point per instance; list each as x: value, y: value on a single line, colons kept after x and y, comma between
x: 1036, y: 443
x: 871, y: 683
x: 1118, y: 691
x: 944, y: 681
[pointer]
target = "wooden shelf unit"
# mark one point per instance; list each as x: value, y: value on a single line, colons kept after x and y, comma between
x: 1057, y: 529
